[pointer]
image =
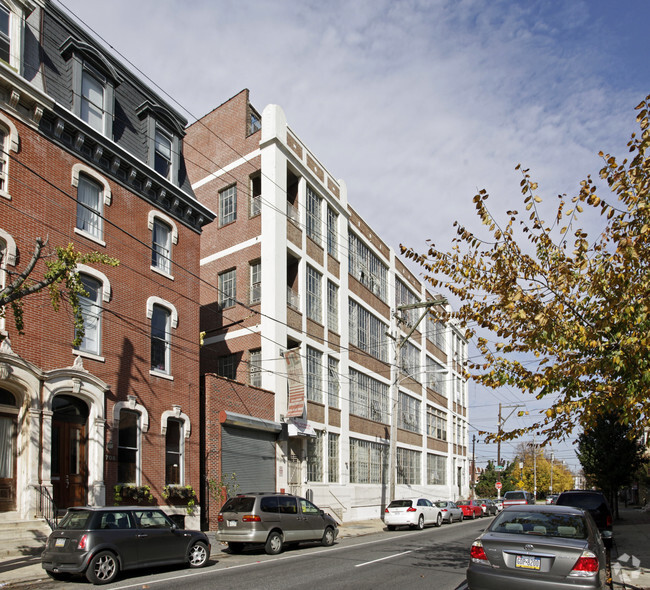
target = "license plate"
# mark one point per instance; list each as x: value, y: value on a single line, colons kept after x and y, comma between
x: 528, y: 562
x: 232, y: 523
x: 59, y: 543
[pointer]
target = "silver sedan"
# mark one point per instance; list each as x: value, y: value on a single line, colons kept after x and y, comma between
x: 450, y: 512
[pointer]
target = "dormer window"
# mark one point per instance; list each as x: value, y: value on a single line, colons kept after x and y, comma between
x: 92, y: 101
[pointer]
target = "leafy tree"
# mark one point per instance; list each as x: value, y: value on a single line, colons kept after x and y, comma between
x: 570, y: 312
x: 536, y: 471
x: 609, y: 455
x: 485, y: 486
x: 60, y: 278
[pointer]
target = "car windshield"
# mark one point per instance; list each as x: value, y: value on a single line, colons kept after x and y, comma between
x: 549, y: 524
x: 76, y: 520
x: 239, y: 504
x: 400, y: 504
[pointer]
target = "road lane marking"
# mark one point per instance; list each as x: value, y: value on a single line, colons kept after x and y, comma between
x: 387, y: 557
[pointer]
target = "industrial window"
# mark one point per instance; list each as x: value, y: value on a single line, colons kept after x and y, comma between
x: 333, y: 457
x: 314, y: 375
x: 227, y: 288
x: 315, y: 457
x: 314, y: 216
x: 409, y: 413
x: 404, y: 296
x: 368, y: 462
x: 410, y: 361
x: 435, y: 333
x: 366, y: 267
x: 367, y: 332
x: 256, y: 195
x: 436, y: 377
x: 436, y: 470
x: 255, y: 368
x: 314, y: 297
x: 227, y: 205
x: 436, y: 423
x: 332, y: 382
x: 408, y: 467
x: 256, y: 281
x: 332, y: 307
x: 332, y: 232
x: 368, y: 397
x: 227, y: 366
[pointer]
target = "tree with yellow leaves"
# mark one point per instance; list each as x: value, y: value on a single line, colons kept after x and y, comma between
x: 569, y: 311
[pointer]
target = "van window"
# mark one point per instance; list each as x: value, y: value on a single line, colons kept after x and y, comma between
x: 515, y: 496
x: 269, y: 504
x: 239, y: 504
x: 287, y: 505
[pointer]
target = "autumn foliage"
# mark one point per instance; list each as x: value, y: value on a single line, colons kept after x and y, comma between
x: 558, y: 311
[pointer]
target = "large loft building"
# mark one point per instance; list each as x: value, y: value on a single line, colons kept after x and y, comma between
x: 91, y: 156
x: 301, y: 308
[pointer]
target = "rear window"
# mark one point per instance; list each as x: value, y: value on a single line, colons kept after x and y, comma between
x: 76, y: 520
x: 463, y: 503
x: 586, y: 501
x: 239, y: 504
x: 400, y: 504
x: 568, y: 526
x: 514, y: 496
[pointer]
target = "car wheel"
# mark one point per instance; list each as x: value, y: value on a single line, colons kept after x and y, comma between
x: 236, y: 547
x: 328, y: 537
x: 103, y: 568
x: 439, y: 519
x: 198, y: 555
x: 273, y: 544
x: 59, y: 576
x: 473, y: 515
x: 421, y: 522
x: 390, y: 527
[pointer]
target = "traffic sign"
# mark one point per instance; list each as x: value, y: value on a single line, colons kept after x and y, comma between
x: 497, y: 485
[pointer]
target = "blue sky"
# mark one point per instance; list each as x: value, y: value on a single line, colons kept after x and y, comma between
x: 416, y: 104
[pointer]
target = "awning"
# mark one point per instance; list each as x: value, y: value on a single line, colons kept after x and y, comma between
x: 249, y: 421
x: 299, y: 427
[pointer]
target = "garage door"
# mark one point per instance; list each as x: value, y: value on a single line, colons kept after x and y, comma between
x: 250, y: 455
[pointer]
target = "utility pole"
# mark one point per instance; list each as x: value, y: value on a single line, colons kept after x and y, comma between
x: 473, y: 464
x: 552, y: 457
x: 394, y: 386
x: 534, y: 469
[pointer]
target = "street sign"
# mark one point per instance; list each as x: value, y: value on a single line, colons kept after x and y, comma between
x: 497, y: 485
x: 499, y: 467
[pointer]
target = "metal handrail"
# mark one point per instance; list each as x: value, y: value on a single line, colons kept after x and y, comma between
x: 46, y: 507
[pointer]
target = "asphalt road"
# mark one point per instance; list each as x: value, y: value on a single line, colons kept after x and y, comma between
x: 432, y: 558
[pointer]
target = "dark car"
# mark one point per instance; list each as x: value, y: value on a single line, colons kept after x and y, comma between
x: 530, y: 547
x: 101, y: 542
x: 518, y: 497
x: 489, y: 507
x: 597, y: 505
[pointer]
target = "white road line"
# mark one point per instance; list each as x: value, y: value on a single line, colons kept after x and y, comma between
x: 387, y: 557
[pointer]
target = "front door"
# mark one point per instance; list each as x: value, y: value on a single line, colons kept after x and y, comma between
x: 69, y: 466
x: 7, y: 463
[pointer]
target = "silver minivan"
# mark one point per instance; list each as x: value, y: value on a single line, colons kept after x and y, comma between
x: 273, y: 519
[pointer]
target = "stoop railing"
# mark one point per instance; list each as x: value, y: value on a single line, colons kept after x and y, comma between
x: 46, y: 507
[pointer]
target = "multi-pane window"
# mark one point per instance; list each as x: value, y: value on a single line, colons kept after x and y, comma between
x: 227, y: 366
x: 408, y: 466
x: 91, y: 309
x: 128, y: 447
x: 333, y: 457
x: 435, y: 332
x: 366, y: 267
x: 314, y: 215
x: 410, y: 360
x: 161, y: 247
x: 404, y: 296
x: 255, y: 368
x: 174, y: 452
x: 332, y: 382
x: 5, y: 40
x: 332, y: 307
x: 314, y: 375
x: 227, y: 288
x: 315, y: 457
x: 227, y: 205
x: 436, y: 423
x: 332, y: 232
x: 436, y: 470
x: 408, y: 413
x: 162, y: 162
x: 368, y: 462
x: 436, y: 377
x: 367, y: 332
x: 368, y: 397
x: 256, y: 281
x: 314, y: 298
x: 4, y: 149
x: 256, y: 196
x: 89, y: 207
x: 160, y: 339
x: 92, y: 101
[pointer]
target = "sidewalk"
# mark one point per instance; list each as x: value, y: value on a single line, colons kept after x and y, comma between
x: 631, y: 551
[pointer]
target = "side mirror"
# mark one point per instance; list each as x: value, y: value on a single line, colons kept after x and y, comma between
x: 606, y: 535
x: 174, y: 528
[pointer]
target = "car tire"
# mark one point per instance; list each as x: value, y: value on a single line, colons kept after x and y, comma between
x: 439, y: 520
x: 103, y: 568
x: 58, y: 576
x: 328, y: 537
x: 198, y: 554
x: 273, y: 544
x: 236, y: 547
x: 420, y: 522
x: 473, y: 515
x: 390, y: 527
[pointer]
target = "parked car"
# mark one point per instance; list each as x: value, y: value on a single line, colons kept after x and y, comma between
x: 272, y: 520
x: 517, y: 497
x: 488, y: 506
x: 413, y: 512
x: 539, y: 547
x: 551, y: 498
x: 450, y: 512
x: 102, y: 541
x: 597, y: 505
x: 471, y: 508
x: 499, y: 504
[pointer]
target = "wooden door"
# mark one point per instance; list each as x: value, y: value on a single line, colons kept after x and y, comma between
x: 7, y: 463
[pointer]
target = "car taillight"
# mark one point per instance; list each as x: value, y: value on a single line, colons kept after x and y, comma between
x: 220, y: 518
x: 443, y: 510
x: 587, y: 564
x: 609, y: 521
x: 411, y: 509
x: 83, y: 543
x: 251, y: 518
x: 477, y: 553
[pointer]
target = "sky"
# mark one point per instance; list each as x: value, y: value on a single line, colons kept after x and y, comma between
x: 415, y: 104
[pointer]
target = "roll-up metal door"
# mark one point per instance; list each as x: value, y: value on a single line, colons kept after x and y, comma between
x: 250, y: 455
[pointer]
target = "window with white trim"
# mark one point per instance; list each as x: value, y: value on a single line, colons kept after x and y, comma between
x: 5, y: 34
x: 227, y: 205
x: 4, y: 160
x: 332, y: 232
x: 314, y: 375
x: 256, y: 195
x: 227, y: 286
x: 128, y: 447
x: 160, y: 339
x: 314, y: 201
x: 89, y: 207
x: 256, y: 281
x: 333, y: 457
x: 314, y: 297
x: 367, y: 268
x: 332, y: 382
x: 404, y: 296
x: 409, y: 413
x: 162, y: 160
x: 410, y: 361
x: 255, y: 368
x: 368, y: 462
x: 436, y: 470
x: 315, y: 457
x: 368, y: 397
x: 174, y: 440
x: 367, y: 332
x: 436, y: 377
x: 92, y: 100
x: 161, y: 247
x: 91, y: 311
x: 408, y: 466
x: 436, y: 423
x: 332, y: 307
x: 435, y: 332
